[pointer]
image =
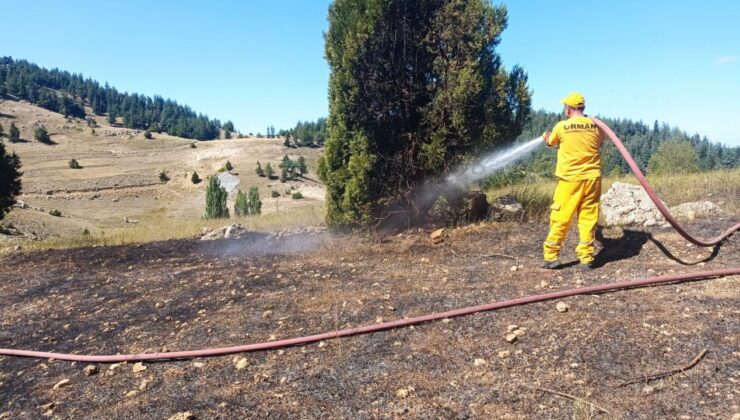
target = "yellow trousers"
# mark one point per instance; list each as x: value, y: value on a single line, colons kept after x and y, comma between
x: 572, y: 197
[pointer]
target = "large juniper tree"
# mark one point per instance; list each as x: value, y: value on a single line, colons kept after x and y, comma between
x: 416, y: 87
x: 10, y: 179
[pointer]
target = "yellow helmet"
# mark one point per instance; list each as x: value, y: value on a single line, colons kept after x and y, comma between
x: 574, y: 100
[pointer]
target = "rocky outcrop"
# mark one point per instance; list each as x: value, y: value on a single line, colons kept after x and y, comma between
x: 505, y: 207
x: 629, y: 205
x: 697, y: 209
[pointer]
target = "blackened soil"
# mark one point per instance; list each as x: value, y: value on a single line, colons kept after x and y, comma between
x: 180, y: 295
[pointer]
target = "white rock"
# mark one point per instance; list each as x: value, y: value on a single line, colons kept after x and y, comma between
x: 479, y: 362
x: 562, y: 307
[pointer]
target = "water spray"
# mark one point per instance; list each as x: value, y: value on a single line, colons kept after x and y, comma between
x: 492, y: 162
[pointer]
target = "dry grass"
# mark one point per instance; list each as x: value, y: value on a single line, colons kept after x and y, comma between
x: 167, y: 229
x: 721, y: 187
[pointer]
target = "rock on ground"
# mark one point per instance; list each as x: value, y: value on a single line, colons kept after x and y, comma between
x: 505, y: 207
x: 629, y: 205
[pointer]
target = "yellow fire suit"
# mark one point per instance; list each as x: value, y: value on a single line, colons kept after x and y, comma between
x: 579, y: 185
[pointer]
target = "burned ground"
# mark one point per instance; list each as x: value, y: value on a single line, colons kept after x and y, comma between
x: 179, y: 295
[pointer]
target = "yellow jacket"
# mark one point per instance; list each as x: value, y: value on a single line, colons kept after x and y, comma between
x: 578, y: 140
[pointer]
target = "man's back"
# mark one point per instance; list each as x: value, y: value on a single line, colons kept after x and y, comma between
x: 579, y: 141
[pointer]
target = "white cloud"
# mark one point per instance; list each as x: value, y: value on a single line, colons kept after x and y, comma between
x: 726, y: 59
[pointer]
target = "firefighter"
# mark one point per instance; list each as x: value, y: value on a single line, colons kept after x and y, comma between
x: 578, y: 190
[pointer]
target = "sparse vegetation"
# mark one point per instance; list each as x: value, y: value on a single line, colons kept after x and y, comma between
x: 216, y: 196
x: 274, y: 194
x: 163, y: 177
x: 259, y: 171
x: 73, y: 164
x: 296, y: 195
x: 55, y: 213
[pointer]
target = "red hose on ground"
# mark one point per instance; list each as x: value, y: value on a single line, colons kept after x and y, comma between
x: 374, y: 327
x: 432, y: 317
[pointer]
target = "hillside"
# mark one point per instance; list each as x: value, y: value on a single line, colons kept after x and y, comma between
x: 120, y: 178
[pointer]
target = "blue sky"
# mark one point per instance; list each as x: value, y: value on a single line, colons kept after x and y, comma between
x: 261, y: 62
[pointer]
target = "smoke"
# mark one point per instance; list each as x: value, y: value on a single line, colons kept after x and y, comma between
x: 454, y: 185
x: 491, y: 163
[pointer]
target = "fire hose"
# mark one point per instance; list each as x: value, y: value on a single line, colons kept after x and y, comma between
x: 270, y: 345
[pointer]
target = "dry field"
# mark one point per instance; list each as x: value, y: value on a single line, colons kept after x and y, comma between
x: 120, y: 180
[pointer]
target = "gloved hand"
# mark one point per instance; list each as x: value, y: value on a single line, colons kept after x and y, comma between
x: 546, y: 135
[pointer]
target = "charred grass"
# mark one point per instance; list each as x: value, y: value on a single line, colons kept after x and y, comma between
x: 186, y: 294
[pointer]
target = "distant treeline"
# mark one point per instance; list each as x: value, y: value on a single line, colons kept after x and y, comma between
x: 307, y: 133
x: 642, y: 141
x: 68, y: 93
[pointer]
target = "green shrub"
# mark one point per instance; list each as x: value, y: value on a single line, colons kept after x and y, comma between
x: 673, y: 157
x: 274, y: 194
x: 148, y: 135
x: 41, y: 135
x: 73, y: 164
x: 216, y: 196
x: 228, y: 166
x: 297, y: 195
x: 163, y: 176
x: 195, y: 179
x: 55, y: 213
x: 241, y: 205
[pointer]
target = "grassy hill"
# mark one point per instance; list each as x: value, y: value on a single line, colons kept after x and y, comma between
x: 120, y: 179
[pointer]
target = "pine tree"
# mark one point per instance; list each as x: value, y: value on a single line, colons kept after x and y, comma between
x: 216, y: 196
x: 283, y: 174
x: 415, y: 86
x: 255, y: 204
x: 268, y: 171
x: 41, y: 135
x: 111, y: 117
x: 148, y: 135
x: 286, y: 140
x: 228, y: 166
x: 302, y: 168
x: 241, y: 204
x: 195, y: 179
x: 14, y: 135
x: 227, y: 135
x: 10, y: 179
x: 259, y: 170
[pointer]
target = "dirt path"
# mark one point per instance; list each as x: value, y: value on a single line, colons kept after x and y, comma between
x: 190, y: 294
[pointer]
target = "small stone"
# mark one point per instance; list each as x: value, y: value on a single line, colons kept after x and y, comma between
x: 479, y: 362
x: 514, y: 268
x: 90, y: 370
x: 158, y: 305
x: 438, y: 236
x: 512, y: 327
x: 185, y: 415
x: 574, y: 365
x: 647, y: 389
x: 544, y: 284
x: 510, y: 338
x: 266, y: 314
x: 131, y: 394
x: 62, y: 384
x: 518, y: 332
x: 402, y: 393
x: 562, y: 307
x: 504, y: 354
x: 322, y: 344
x: 198, y: 364
x: 138, y: 367
x: 241, y: 363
